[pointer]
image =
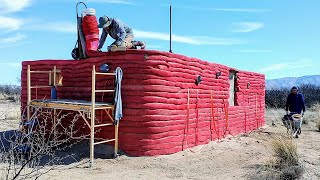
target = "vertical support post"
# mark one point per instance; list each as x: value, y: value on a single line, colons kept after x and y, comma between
x: 170, y: 30
x: 116, y: 142
x: 54, y: 110
x: 54, y: 75
x: 28, y: 92
x: 93, y: 99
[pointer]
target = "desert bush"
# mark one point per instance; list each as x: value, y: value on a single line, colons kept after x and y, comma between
x: 276, y: 98
x: 10, y: 92
x: 285, y: 150
x: 316, y: 109
x: 312, y: 116
x: 28, y: 153
x: 285, y: 162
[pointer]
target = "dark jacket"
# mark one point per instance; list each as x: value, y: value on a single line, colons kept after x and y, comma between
x: 295, y: 103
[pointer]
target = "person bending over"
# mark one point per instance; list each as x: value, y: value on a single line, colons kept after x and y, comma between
x: 121, y: 33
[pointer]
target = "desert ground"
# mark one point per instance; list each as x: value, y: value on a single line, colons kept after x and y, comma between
x: 245, y: 156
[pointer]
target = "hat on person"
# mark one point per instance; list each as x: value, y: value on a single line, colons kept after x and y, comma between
x: 294, y: 87
x: 104, y: 22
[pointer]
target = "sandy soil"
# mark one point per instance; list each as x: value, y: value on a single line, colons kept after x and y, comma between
x: 233, y: 158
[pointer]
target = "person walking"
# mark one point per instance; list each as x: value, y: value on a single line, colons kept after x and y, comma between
x: 295, y: 102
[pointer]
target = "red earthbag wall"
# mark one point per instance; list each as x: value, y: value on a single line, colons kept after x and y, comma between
x: 157, y: 116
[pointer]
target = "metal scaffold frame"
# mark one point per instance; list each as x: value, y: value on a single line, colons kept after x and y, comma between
x: 81, y: 107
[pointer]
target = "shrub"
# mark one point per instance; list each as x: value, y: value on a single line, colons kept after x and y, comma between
x: 10, y: 92
x: 285, y: 150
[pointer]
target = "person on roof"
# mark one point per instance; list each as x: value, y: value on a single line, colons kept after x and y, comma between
x: 295, y: 102
x: 122, y: 34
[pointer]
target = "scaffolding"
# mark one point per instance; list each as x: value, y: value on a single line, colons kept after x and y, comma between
x: 79, y: 106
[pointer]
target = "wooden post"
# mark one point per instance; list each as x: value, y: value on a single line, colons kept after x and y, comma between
x: 116, y: 142
x: 54, y: 110
x: 28, y: 92
x: 54, y: 75
x: 93, y: 99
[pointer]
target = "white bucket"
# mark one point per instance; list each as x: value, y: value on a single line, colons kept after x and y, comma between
x: 89, y: 11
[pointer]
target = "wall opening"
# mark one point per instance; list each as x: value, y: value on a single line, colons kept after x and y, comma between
x: 232, y: 88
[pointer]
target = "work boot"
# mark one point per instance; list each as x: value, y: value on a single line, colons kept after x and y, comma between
x: 142, y: 44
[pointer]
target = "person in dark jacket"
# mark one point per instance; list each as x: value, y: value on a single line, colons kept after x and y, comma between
x: 295, y: 102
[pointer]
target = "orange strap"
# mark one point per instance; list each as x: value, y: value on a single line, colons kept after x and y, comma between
x: 227, y: 117
x: 213, y: 120
x: 186, y: 130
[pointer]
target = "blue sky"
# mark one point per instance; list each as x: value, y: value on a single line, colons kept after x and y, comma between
x: 279, y: 38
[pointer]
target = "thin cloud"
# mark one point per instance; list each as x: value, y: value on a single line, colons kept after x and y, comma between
x: 12, y: 39
x: 195, y: 40
x: 64, y: 27
x: 8, y: 24
x: 10, y: 6
x: 67, y: 27
x: 13, y: 65
x: 253, y: 51
x: 287, y: 66
x: 247, y: 26
x: 242, y: 10
x: 112, y: 2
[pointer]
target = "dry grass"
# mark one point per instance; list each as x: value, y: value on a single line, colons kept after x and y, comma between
x: 313, y: 116
x: 285, y: 161
x: 285, y: 150
x: 274, y: 116
x: 9, y: 115
x: 11, y: 97
x: 316, y: 109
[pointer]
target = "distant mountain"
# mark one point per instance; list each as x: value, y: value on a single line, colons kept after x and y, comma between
x: 288, y: 82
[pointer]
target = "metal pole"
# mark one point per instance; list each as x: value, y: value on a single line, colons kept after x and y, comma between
x: 170, y: 30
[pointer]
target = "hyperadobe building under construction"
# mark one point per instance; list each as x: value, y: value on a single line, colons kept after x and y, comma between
x: 170, y: 102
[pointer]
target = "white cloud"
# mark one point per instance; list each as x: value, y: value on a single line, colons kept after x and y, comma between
x: 112, y: 2
x: 8, y: 24
x: 12, y: 39
x: 303, y: 63
x: 10, y: 6
x: 253, y: 51
x: 247, y: 26
x: 65, y: 27
x: 195, y: 40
